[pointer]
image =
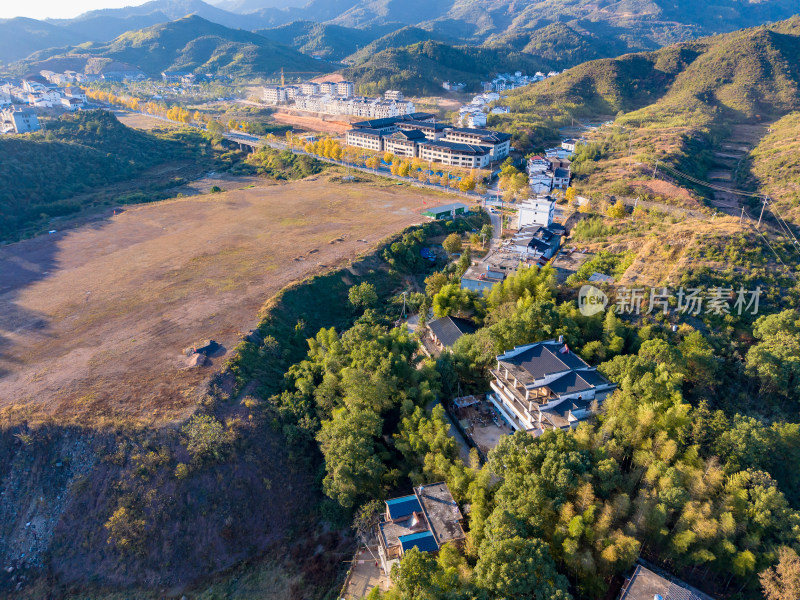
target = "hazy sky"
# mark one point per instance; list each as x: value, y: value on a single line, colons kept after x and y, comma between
x: 57, y: 9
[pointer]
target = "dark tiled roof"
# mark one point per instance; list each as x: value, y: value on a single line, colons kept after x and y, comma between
x: 375, y: 123
x: 545, y: 359
x: 425, y: 125
x: 423, y: 540
x: 456, y: 147
x: 449, y: 329
x: 413, y: 134
x: 486, y: 134
x: 570, y: 383
x: 562, y: 173
x: 366, y: 131
x: 402, y: 507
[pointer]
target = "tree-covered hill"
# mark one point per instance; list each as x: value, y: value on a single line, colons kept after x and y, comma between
x: 399, y: 38
x: 332, y: 42
x: 734, y: 77
x: 421, y: 68
x: 79, y: 152
x: 196, y: 45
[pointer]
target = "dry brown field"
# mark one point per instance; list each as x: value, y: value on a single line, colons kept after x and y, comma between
x: 93, y: 320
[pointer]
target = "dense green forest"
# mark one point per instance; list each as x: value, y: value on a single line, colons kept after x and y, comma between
x: 685, y: 465
x: 421, y: 68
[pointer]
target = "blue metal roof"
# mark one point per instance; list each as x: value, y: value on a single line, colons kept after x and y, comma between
x: 423, y: 540
x: 404, y: 506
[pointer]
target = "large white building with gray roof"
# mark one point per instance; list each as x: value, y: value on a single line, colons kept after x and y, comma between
x: 545, y: 386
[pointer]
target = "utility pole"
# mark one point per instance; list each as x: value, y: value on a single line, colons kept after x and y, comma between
x: 655, y: 170
x: 741, y: 218
x: 763, y: 206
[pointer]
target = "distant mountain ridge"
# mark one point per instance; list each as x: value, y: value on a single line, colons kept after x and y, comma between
x: 190, y: 44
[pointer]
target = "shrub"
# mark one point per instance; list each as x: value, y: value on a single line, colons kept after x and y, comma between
x: 206, y: 437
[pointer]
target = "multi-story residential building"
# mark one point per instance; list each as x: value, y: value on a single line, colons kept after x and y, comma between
x: 426, y: 520
x: 345, y: 89
x: 454, y: 154
x: 561, y: 177
x: 19, y: 120
x: 393, y: 95
x: 328, y: 87
x: 71, y: 104
x: 473, y: 119
x: 545, y: 386
x: 537, y: 241
x: 403, y: 142
x: 536, y: 211
x: 363, y: 137
x: 309, y: 88
x: 499, y: 144
x: 274, y: 95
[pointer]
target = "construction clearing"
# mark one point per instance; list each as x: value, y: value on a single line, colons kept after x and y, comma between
x: 95, y: 319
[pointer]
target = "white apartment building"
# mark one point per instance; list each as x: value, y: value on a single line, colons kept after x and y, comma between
x: 345, y: 89
x: 393, y: 95
x: 454, y: 154
x: 309, y: 88
x: 404, y: 143
x: 274, y: 95
x: 19, y: 121
x: 370, y: 139
x: 536, y: 211
x: 499, y: 144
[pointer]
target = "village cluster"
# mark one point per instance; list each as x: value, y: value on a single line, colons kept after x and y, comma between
x: 337, y: 98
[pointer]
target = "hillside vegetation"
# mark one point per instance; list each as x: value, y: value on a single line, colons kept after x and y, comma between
x: 674, y: 104
x: 332, y: 42
x: 195, y: 45
x: 41, y: 172
x: 775, y: 165
x: 421, y: 68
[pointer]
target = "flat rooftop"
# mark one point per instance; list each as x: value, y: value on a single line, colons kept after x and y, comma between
x: 442, y: 512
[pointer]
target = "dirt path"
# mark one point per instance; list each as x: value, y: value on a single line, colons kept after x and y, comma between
x: 728, y: 160
x: 93, y: 320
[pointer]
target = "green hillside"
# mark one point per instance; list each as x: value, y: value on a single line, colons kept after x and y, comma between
x: 332, y: 42
x: 405, y: 36
x: 733, y: 77
x: 421, y: 68
x: 42, y: 173
x: 196, y: 45
x: 565, y: 45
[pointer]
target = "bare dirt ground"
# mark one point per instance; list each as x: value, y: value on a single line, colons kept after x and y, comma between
x: 311, y: 123
x: 93, y: 320
x: 140, y: 121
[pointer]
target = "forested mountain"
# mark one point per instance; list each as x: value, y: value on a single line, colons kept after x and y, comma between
x: 190, y: 44
x: 585, y: 28
x: 711, y: 82
x: 399, y: 38
x: 333, y: 42
x: 421, y: 68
